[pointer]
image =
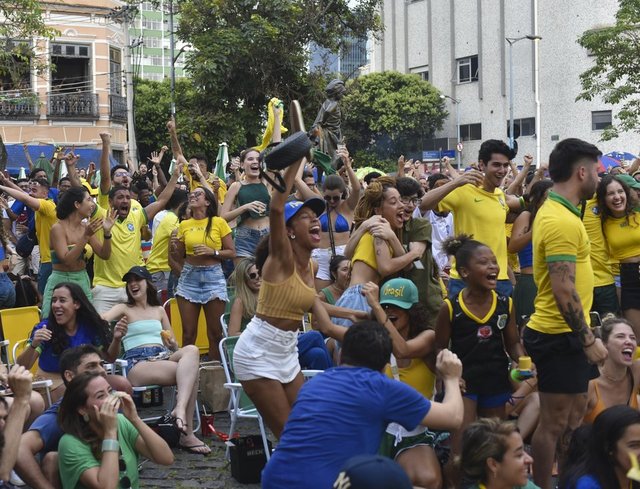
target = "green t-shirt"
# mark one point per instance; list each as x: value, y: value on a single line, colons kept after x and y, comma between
x: 74, y: 456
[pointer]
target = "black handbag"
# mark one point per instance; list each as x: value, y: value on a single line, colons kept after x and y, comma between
x: 247, y: 458
x: 25, y: 244
x: 166, y: 428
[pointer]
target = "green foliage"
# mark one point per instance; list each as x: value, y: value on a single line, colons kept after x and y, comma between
x: 153, y: 109
x: 615, y: 76
x: 387, y: 114
x: 247, y: 51
x: 22, y: 20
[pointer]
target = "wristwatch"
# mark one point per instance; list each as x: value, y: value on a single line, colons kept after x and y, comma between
x: 216, y: 253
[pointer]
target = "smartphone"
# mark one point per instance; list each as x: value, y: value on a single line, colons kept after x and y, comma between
x: 596, y: 321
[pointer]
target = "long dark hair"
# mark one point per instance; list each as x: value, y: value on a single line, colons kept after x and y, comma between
x: 537, y: 196
x: 600, y: 460
x: 152, y: 295
x: 86, y: 315
x: 417, y: 313
x: 601, y: 195
x: 75, y: 396
x: 212, y: 210
x: 66, y: 204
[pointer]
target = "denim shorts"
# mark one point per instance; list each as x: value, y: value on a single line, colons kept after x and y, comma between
x: 352, y: 298
x: 202, y: 284
x: 247, y: 240
x: 141, y: 354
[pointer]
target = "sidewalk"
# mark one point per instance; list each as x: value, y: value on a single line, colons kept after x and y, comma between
x: 190, y: 470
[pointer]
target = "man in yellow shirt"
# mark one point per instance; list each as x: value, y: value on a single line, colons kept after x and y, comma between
x: 45, y: 215
x: 126, y: 252
x: 480, y: 207
x: 202, y: 176
x: 558, y: 337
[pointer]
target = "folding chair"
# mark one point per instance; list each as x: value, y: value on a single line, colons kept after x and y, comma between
x: 240, y: 405
x: 202, y: 340
x: 224, y: 322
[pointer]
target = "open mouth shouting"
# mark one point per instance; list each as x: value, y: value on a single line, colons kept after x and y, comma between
x: 314, y: 232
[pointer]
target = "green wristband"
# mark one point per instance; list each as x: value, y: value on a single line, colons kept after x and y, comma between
x: 110, y: 446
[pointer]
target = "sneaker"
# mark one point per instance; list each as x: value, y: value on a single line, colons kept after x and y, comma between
x: 15, y: 480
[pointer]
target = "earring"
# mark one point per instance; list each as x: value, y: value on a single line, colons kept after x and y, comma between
x: 85, y: 417
x: 292, y: 236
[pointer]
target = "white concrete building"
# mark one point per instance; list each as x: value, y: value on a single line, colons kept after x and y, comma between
x: 460, y: 47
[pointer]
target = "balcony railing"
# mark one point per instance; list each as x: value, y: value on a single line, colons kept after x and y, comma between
x: 23, y: 105
x: 82, y: 105
x: 118, y: 108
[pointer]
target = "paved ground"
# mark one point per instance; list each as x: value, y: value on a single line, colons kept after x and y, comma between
x: 190, y: 470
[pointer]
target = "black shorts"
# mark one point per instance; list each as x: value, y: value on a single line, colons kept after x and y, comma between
x: 561, y: 364
x: 605, y: 300
x: 630, y: 286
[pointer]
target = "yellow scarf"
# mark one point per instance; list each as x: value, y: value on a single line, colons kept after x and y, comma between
x: 271, y: 122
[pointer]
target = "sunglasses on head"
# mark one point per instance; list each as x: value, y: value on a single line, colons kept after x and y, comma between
x: 332, y: 198
x: 253, y: 275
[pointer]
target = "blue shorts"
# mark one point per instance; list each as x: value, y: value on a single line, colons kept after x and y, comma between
x: 47, y: 427
x: 352, y: 298
x: 202, y: 284
x: 247, y: 240
x: 488, y: 402
x: 141, y: 354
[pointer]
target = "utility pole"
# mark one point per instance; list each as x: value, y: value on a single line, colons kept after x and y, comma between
x: 126, y: 15
x: 172, y: 48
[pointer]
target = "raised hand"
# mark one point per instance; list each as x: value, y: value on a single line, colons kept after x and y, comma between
x: 528, y: 160
x: 371, y: 292
x: 93, y: 226
x: 109, y: 220
x: 20, y: 380
x: 156, y: 158
x: 105, y: 137
x: 41, y: 336
x: 107, y: 415
x: 473, y: 177
x: 448, y: 365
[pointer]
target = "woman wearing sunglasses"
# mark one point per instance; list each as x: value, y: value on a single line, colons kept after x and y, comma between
x: 247, y: 281
x: 100, y: 447
x: 336, y: 221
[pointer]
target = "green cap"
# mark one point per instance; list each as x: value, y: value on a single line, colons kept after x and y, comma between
x: 399, y: 292
x: 629, y: 180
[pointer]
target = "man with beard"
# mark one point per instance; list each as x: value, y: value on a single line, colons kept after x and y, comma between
x: 126, y: 251
x: 480, y: 209
x: 558, y: 337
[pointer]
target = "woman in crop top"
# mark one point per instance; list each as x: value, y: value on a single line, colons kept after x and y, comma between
x: 204, y: 240
x: 73, y: 321
x: 248, y: 200
x: 339, y: 213
x: 153, y: 354
x: 265, y: 359
x: 619, y: 375
x: 69, y: 237
x: 520, y: 242
x: 621, y: 229
x: 374, y: 247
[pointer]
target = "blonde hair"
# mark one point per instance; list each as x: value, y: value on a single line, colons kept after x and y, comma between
x: 244, y: 293
x: 372, y: 198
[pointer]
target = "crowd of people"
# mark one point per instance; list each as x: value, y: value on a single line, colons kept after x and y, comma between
x: 468, y: 323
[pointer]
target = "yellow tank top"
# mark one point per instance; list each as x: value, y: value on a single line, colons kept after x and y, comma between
x: 289, y: 299
x: 417, y: 375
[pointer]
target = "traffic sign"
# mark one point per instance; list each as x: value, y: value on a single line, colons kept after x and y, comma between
x: 460, y: 147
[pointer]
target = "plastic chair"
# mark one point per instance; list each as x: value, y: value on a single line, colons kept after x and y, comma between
x: 17, y: 323
x: 240, y: 405
x: 202, y: 340
x: 224, y: 322
x: 19, y: 346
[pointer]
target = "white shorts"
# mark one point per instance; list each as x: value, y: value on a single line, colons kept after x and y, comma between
x: 266, y: 352
x: 322, y: 256
x: 104, y: 298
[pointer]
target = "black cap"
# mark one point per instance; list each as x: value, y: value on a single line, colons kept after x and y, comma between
x: 140, y: 272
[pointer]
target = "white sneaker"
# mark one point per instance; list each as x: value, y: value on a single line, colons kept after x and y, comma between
x: 15, y: 480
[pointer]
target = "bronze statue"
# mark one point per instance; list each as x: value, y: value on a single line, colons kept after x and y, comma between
x: 326, y: 128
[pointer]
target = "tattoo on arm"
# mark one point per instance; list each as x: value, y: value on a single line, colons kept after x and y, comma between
x: 569, y: 303
x: 563, y: 270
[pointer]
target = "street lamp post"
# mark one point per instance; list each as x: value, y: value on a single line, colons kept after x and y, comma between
x: 512, y: 41
x: 456, y: 102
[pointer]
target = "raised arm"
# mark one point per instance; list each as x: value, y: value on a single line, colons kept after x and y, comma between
x: 448, y: 414
x: 175, y: 144
x: 28, y: 157
x: 71, y: 160
x: 354, y: 195
x: 103, y: 248
x: 516, y: 186
x: 18, y: 194
x: 432, y: 197
x: 105, y: 170
x: 520, y: 234
x: 155, y: 207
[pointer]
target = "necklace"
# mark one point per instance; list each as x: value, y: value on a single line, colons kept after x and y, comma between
x: 611, y: 379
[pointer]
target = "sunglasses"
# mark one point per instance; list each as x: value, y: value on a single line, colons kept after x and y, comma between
x: 125, y: 482
x: 253, y: 275
x: 195, y: 195
x: 332, y: 198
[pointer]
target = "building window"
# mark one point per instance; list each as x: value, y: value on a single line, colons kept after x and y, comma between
x: 600, y: 119
x: 15, y: 72
x: 115, y: 71
x: 470, y: 132
x: 526, y: 126
x: 423, y: 71
x: 72, y: 68
x: 148, y: 7
x: 468, y: 69
x: 153, y: 42
x: 155, y: 25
